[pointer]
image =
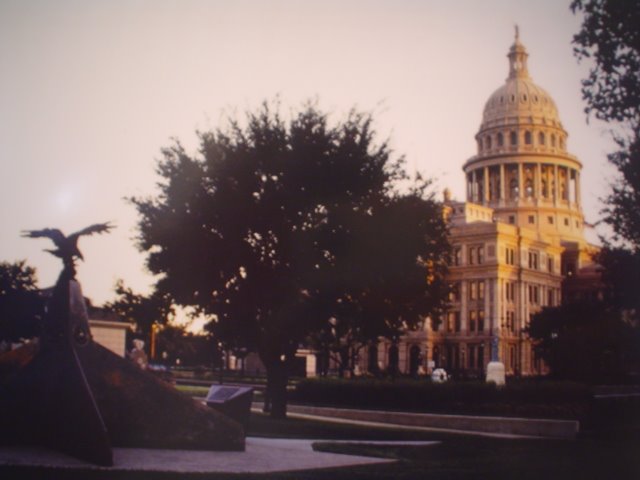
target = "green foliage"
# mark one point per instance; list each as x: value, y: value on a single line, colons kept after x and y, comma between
x: 191, y: 349
x: 143, y: 311
x: 611, y: 39
x: 21, y: 306
x: 277, y: 227
x: 527, y: 398
x: 586, y: 341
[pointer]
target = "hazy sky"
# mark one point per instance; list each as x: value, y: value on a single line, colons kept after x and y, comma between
x: 90, y: 91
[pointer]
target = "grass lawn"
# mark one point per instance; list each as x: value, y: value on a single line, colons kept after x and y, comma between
x: 456, y: 457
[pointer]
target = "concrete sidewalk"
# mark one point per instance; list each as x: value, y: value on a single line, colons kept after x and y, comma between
x: 505, y: 427
x: 262, y: 455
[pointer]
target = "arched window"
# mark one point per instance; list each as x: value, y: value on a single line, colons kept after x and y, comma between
x: 527, y: 138
x: 487, y: 141
x: 500, y: 139
x: 414, y: 360
x: 553, y: 140
x: 513, y: 188
x: 436, y: 357
x: 393, y: 359
x: 541, y: 138
x: 514, y: 138
x: 373, y: 359
x: 528, y: 188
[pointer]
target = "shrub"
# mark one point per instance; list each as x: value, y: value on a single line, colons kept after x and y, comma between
x: 523, y: 397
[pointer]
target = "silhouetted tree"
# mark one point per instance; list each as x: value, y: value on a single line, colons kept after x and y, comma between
x: 143, y: 311
x: 371, y: 299
x: 21, y: 305
x: 586, y: 341
x: 610, y: 37
x: 277, y: 227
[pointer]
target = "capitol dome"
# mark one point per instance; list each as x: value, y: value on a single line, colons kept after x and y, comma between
x: 519, y: 100
x: 522, y: 169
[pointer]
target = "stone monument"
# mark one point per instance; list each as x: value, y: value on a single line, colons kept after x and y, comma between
x: 495, y: 368
x: 75, y: 396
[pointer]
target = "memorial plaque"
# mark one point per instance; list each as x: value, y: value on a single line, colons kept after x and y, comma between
x: 232, y: 401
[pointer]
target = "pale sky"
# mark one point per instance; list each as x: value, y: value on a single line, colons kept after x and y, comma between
x: 90, y: 91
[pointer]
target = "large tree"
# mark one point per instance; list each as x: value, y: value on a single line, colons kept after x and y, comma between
x: 610, y: 38
x: 21, y: 305
x: 276, y: 227
x: 587, y: 341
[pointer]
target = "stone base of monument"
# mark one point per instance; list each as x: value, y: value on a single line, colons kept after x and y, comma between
x: 496, y: 373
x: 139, y: 410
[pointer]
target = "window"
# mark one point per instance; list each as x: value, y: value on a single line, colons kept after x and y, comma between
x: 510, y: 325
x: 480, y: 254
x: 550, y: 297
x: 533, y: 294
x: 553, y: 140
x: 500, y: 139
x: 456, y: 320
x: 513, y: 137
x: 472, y: 320
x: 528, y: 188
x: 457, y: 255
x: 513, y: 188
x: 541, y: 138
x: 510, y: 255
x: 533, y: 260
x: 550, y: 264
x: 481, y: 290
x: 510, y: 291
x: 481, y: 321
x: 487, y: 142
x: 473, y: 291
x: 527, y: 138
x: 454, y: 292
x: 472, y: 255
x: 451, y: 317
x: 532, y: 219
x: 550, y: 220
x: 512, y: 219
x: 566, y: 222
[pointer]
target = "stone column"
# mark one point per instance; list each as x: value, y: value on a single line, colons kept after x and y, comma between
x: 556, y: 185
x: 537, y: 183
x: 474, y: 187
x: 488, y: 303
x: 578, y: 198
x: 485, y: 200
x: 501, y: 193
x: 520, y: 181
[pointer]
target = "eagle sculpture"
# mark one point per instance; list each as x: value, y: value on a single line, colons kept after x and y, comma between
x: 67, y: 246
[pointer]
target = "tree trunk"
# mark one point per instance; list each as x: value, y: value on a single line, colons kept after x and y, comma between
x: 276, y: 395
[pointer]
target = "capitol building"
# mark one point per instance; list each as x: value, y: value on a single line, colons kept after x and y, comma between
x: 516, y: 239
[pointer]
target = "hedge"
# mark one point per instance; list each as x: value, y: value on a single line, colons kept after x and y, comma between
x: 518, y: 398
